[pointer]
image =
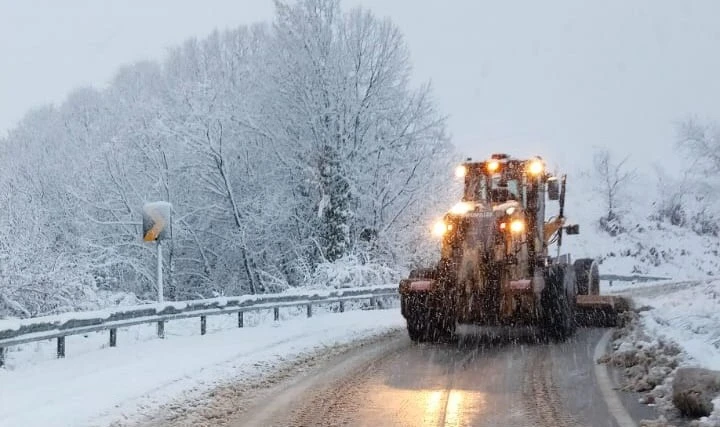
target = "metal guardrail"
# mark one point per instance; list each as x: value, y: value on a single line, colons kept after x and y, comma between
x: 663, y: 288
x: 632, y: 278
x: 16, y: 332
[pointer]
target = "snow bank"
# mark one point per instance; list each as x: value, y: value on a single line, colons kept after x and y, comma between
x: 678, y: 325
x: 647, y: 362
x: 134, y: 379
x: 690, y: 317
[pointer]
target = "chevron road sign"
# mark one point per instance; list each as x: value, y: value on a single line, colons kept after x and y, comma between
x: 156, y: 221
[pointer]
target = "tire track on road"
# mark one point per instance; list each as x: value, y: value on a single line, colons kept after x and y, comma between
x: 544, y: 401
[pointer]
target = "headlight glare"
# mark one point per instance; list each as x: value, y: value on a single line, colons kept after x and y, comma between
x: 536, y: 167
x: 517, y: 226
x: 439, y: 229
x: 461, y: 208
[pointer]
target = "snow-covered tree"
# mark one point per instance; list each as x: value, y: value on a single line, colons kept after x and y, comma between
x: 290, y: 152
x: 700, y: 142
x: 611, y: 180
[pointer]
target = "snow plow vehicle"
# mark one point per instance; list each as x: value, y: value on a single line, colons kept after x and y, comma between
x: 495, y: 268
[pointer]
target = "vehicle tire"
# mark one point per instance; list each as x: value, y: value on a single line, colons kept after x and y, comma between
x: 587, y: 276
x: 416, y: 314
x: 442, y: 328
x: 429, y: 327
x: 424, y: 324
x: 417, y: 329
x: 558, y: 301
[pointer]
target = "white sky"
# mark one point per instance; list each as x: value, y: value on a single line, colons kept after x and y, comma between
x: 553, y: 77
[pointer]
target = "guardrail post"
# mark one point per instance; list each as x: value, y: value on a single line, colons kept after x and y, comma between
x: 373, y: 302
x: 203, y: 325
x: 2, y: 357
x: 276, y: 313
x: 342, y: 306
x: 309, y: 310
x: 161, y: 329
x: 240, y: 319
x: 61, y: 347
x: 113, y: 337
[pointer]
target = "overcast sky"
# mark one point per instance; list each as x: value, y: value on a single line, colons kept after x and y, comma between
x: 552, y: 77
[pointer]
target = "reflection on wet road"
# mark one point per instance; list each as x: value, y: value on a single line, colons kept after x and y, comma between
x: 472, y: 382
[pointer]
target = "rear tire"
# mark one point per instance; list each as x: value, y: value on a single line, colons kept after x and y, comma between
x: 587, y: 276
x: 416, y: 328
x: 442, y: 327
x: 425, y: 324
x: 558, y: 302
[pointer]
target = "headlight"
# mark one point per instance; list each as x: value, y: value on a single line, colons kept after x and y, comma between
x: 439, y: 228
x: 517, y: 226
x: 462, y: 208
x: 461, y: 171
x: 536, y: 167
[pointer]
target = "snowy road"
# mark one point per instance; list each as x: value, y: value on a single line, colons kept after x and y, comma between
x: 473, y: 382
x: 355, y: 368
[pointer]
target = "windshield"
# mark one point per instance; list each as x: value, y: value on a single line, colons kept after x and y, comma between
x: 493, y: 190
x: 501, y: 192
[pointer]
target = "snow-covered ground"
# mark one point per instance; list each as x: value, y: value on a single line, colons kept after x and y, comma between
x: 686, y: 314
x: 690, y: 317
x: 97, y: 386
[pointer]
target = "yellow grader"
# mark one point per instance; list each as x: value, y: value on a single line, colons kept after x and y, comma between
x: 495, y: 268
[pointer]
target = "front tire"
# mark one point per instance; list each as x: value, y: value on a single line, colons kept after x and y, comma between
x: 425, y: 324
x: 558, y: 302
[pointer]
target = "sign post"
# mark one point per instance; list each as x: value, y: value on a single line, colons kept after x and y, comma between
x: 156, y: 228
x: 161, y: 297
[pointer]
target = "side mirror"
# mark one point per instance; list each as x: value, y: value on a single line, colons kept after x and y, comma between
x: 572, y: 229
x: 553, y: 188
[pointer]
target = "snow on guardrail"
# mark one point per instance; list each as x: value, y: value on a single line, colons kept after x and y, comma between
x: 20, y: 331
x: 632, y: 278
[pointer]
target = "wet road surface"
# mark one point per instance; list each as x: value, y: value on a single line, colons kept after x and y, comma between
x: 473, y: 382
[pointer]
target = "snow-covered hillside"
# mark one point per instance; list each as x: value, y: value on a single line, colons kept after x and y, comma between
x: 648, y: 245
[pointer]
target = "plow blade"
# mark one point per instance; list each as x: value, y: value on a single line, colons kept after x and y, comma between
x: 600, y: 310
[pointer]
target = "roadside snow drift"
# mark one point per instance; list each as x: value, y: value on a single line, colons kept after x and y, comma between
x: 135, y: 378
x: 679, y: 326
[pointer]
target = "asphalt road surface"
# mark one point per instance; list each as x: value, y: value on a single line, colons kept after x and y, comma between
x: 476, y: 381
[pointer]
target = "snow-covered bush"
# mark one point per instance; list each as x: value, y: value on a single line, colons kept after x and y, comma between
x: 671, y: 198
x: 352, y: 271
